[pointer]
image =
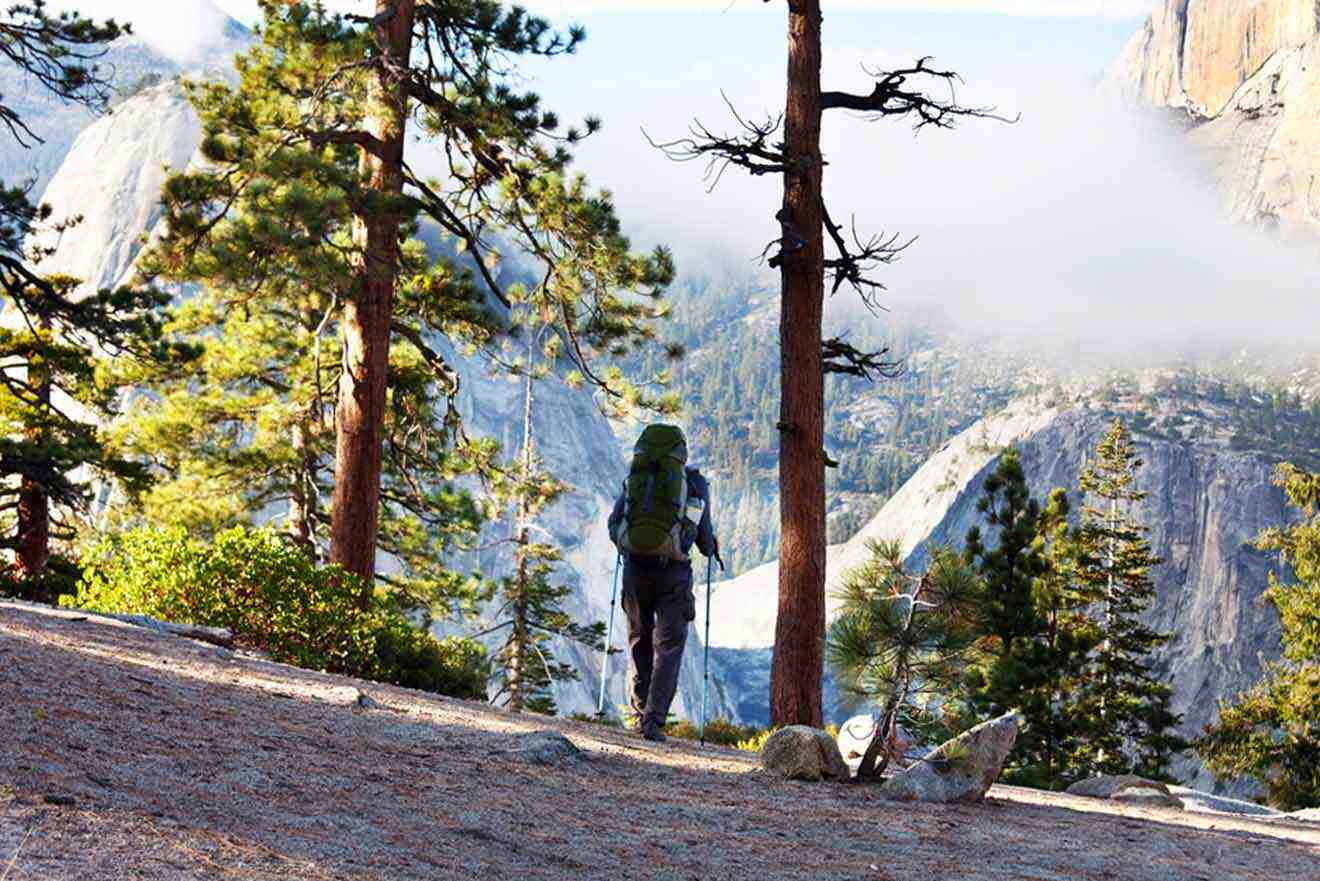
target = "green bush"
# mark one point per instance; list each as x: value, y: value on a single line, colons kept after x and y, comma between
x: 414, y: 658
x: 758, y: 737
x: 276, y: 599
x: 607, y: 721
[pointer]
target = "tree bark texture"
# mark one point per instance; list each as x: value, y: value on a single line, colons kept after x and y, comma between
x: 360, y: 410
x: 795, y: 677
x: 33, y: 493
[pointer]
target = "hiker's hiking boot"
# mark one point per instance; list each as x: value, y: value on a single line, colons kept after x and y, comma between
x: 654, y: 732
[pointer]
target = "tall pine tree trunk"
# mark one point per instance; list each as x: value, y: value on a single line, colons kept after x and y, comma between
x: 518, y: 641
x: 360, y: 412
x: 795, y: 677
x: 33, y: 494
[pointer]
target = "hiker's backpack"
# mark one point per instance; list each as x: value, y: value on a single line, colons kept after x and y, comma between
x: 655, y: 495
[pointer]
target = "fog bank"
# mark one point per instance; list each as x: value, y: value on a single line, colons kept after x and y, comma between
x: 1083, y: 222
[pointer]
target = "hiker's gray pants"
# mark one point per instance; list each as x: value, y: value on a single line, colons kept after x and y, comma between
x: 659, y: 604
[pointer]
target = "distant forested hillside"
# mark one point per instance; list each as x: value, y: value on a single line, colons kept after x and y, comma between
x: 881, y: 432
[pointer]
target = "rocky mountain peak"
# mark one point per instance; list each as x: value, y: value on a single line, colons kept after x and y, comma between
x: 1198, y: 53
x: 1248, y: 73
x: 112, y: 180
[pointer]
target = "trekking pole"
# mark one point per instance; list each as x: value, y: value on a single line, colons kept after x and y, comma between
x: 705, y: 664
x: 609, y: 635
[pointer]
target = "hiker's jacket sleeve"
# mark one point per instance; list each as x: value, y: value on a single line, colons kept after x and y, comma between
x: 616, y: 516
x: 705, y: 529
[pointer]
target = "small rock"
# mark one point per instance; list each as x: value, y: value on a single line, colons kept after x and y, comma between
x: 961, y: 770
x: 366, y: 701
x: 856, y: 735
x: 545, y: 748
x: 1109, y: 785
x: 1207, y: 803
x: 1147, y: 797
x: 800, y: 752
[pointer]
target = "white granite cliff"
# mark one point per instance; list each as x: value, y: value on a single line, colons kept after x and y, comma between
x: 1206, y: 502
x: 1247, y: 74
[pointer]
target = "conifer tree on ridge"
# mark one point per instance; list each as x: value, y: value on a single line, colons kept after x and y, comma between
x: 1114, y: 564
x: 323, y: 87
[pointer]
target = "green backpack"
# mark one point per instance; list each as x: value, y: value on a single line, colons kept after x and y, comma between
x: 655, y: 495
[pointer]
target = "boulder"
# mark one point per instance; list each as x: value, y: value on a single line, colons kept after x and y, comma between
x: 1208, y: 803
x: 800, y: 752
x: 961, y: 770
x: 544, y: 748
x: 1147, y: 797
x: 856, y: 735
x: 1109, y: 785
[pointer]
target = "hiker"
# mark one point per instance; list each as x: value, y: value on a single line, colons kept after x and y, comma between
x: 662, y: 510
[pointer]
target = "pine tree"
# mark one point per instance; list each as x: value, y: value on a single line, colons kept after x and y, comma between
x: 1134, y: 730
x: 1033, y: 633
x: 314, y: 138
x: 1271, y: 732
x: 246, y: 431
x: 529, y: 603
x: 900, y: 639
x: 55, y: 345
x: 1057, y: 724
x: 1012, y: 566
x: 1006, y: 616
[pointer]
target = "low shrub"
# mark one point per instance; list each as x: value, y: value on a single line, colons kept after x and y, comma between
x: 754, y: 743
x: 718, y: 731
x: 277, y: 599
x: 413, y: 658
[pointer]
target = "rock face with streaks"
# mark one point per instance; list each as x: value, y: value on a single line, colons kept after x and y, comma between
x: 1247, y: 73
x: 112, y: 178
x: 1206, y: 501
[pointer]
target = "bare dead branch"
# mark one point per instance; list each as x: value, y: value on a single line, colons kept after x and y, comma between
x: 891, y: 96
x: 842, y: 357
x: 753, y: 148
x: 858, y: 258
